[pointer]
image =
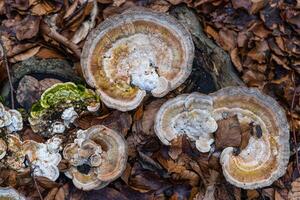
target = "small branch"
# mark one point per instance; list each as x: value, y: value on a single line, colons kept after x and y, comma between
x: 8, y: 74
x: 292, y: 121
x: 33, y: 177
x: 52, y: 33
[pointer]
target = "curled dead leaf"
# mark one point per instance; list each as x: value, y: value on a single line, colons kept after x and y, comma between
x: 236, y: 59
x: 228, y: 133
x: 46, y: 183
x: 25, y: 55
x: 228, y: 39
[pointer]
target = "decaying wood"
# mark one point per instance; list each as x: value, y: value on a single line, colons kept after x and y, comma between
x: 214, y: 59
x: 53, y: 67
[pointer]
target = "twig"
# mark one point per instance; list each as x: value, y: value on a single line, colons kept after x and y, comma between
x: 52, y: 33
x: 292, y: 121
x: 8, y: 74
x: 33, y: 177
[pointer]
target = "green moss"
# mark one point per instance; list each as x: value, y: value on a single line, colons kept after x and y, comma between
x: 63, y: 95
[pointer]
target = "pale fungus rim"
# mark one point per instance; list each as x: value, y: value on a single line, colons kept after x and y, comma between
x: 164, y: 20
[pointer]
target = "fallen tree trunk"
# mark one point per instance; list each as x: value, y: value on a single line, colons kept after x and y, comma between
x: 209, y: 57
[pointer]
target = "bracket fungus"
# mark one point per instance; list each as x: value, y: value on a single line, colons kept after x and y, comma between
x: 8, y: 193
x: 67, y: 99
x: 10, y: 120
x: 188, y: 115
x: 98, y: 156
x: 44, y: 157
x: 136, y: 52
x: 14, y: 158
x: 263, y: 159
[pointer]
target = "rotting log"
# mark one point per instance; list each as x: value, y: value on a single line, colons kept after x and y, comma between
x: 40, y: 68
x: 209, y: 57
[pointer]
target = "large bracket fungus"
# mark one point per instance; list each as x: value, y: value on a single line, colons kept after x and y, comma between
x: 66, y: 99
x: 98, y: 156
x: 265, y: 157
x: 135, y: 52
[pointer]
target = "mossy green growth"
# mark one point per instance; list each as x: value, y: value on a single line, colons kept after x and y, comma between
x: 63, y: 95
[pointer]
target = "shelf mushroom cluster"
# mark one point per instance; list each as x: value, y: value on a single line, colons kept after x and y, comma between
x: 98, y: 156
x: 44, y: 157
x: 262, y: 161
x: 136, y: 52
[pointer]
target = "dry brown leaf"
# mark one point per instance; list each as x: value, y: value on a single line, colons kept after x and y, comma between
x: 294, y: 192
x: 279, y: 41
x: 113, y: 10
x: 210, y: 190
x: 234, y: 54
x: 119, y: 121
x: 176, y: 2
x: 280, y: 61
x: 273, y: 46
x: 51, y: 195
x: 246, y: 134
x: 2, y: 4
x: 160, y: 6
x: 260, y: 51
x: 126, y: 175
x: 257, y: 5
x: 48, y: 53
x: 199, y: 196
x: 242, y: 39
x: 246, y: 4
x: 118, y: 3
x: 228, y: 133
x: 271, y: 16
x: 176, y: 148
x: 28, y: 91
x: 268, y: 192
x: 71, y: 9
x: 63, y: 165
x: 27, y: 28
x: 46, y: 183
x: 105, y: 1
x: 259, y: 30
x: 149, y: 115
x: 228, y: 39
x: 198, y: 3
x: 25, y: 55
x: 87, y: 25
x: 212, y: 32
x: 60, y: 195
x: 250, y: 77
x: 252, y: 194
x: 213, y: 162
x: 282, y: 195
x: 44, y: 8
x: 189, y: 175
